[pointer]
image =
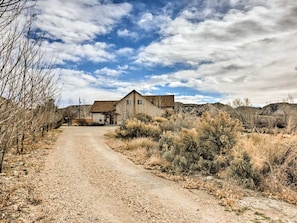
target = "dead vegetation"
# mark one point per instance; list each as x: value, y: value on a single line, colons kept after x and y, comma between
x: 214, y: 154
x: 17, y: 190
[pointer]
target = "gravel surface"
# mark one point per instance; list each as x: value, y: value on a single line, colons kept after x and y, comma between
x: 85, y: 181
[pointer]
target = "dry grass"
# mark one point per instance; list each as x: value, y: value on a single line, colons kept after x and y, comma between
x: 146, y: 143
x: 275, y: 158
x: 17, y: 191
x: 139, y: 150
x: 116, y: 144
x: 214, y: 146
x: 157, y: 162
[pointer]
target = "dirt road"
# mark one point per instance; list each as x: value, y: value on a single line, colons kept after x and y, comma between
x: 85, y: 181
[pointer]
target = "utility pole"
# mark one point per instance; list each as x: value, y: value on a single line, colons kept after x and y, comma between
x: 78, y: 108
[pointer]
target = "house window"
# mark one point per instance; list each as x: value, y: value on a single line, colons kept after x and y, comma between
x: 129, y: 102
x: 139, y: 102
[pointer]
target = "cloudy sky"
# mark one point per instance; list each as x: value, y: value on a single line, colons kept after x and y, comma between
x: 202, y: 51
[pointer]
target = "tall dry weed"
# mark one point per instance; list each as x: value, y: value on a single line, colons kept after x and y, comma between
x: 135, y: 128
x: 274, y: 157
x: 179, y: 121
x: 146, y: 143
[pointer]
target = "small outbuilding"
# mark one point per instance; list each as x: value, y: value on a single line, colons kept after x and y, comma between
x: 104, y: 112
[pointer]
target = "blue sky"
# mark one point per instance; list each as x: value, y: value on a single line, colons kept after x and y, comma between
x: 200, y: 51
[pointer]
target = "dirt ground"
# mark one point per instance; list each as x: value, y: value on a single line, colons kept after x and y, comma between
x: 83, y: 180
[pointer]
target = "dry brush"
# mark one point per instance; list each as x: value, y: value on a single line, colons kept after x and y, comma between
x: 214, y: 146
x: 27, y: 80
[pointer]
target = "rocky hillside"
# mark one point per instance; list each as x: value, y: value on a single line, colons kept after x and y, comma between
x: 279, y: 115
x: 76, y: 111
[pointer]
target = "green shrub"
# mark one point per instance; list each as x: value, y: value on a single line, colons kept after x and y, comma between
x: 242, y: 171
x: 206, y: 167
x: 180, y: 149
x: 130, y: 129
x: 217, y: 136
x: 151, y: 130
x: 167, y: 140
x: 207, y: 149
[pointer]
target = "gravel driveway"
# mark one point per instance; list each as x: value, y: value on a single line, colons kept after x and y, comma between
x: 85, y: 181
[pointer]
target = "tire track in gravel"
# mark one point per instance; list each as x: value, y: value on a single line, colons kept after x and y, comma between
x: 86, y: 181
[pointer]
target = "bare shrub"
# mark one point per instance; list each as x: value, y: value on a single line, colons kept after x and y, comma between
x: 273, y: 160
x: 283, y: 164
x: 291, y: 124
x: 143, y: 117
x: 176, y: 122
x: 27, y: 79
x: 134, y: 128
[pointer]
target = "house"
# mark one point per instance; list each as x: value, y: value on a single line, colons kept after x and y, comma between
x: 115, y: 112
x: 104, y: 112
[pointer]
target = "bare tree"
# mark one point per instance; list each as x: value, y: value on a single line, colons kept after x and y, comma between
x: 237, y: 102
x: 27, y: 81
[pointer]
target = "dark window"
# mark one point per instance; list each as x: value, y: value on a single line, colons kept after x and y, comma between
x: 139, y: 102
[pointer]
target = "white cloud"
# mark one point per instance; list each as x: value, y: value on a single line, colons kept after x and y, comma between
x: 123, y: 32
x: 77, y: 21
x: 124, y: 67
x: 109, y: 72
x: 79, y: 84
x: 150, y: 22
x: 126, y: 51
x: 74, y: 79
x: 245, y: 53
x: 146, y: 21
x: 195, y: 99
x: 127, y: 33
x: 97, y: 52
x: 248, y: 51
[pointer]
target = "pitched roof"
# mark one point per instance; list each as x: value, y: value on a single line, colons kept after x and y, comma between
x: 103, y: 106
x: 163, y: 101
x: 133, y: 91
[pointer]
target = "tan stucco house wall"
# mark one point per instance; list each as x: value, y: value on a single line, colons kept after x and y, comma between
x: 115, y: 112
x: 135, y: 103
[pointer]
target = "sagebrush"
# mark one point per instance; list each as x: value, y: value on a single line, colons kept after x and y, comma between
x: 216, y: 146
